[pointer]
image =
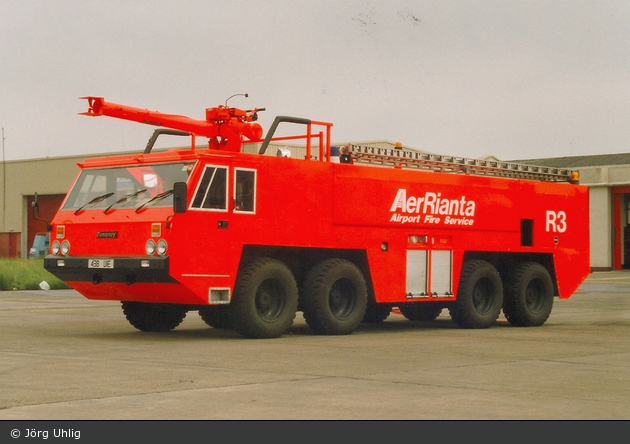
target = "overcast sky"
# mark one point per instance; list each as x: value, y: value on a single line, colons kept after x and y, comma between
x: 515, y: 79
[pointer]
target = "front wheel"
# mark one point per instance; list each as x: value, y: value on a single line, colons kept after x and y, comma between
x: 153, y: 317
x: 265, y: 299
x: 528, y: 295
x: 335, y: 297
x: 479, y: 296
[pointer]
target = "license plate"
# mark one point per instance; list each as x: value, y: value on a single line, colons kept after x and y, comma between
x: 101, y: 263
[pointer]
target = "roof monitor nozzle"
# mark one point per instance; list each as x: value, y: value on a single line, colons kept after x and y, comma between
x: 226, y: 100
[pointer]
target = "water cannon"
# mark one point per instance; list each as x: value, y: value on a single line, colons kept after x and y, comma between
x: 224, y: 127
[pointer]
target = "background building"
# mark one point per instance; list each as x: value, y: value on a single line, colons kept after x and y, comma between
x: 608, y: 179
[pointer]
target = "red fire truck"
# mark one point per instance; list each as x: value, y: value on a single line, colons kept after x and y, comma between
x: 249, y: 239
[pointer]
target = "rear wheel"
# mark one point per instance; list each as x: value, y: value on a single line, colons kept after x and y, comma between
x: 265, y: 299
x: 479, y: 296
x: 153, y: 317
x: 421, y: 311
x: 528, y: 295
x: 217, y: 316
x: 335, y: 297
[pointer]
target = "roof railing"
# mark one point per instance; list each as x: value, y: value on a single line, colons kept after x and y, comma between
x: 401, y: 158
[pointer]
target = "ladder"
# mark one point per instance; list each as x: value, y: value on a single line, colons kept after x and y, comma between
x: 400, y: 158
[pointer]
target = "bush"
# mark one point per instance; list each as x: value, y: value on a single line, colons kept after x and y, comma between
x: 19, y: 274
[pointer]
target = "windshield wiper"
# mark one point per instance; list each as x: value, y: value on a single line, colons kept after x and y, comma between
x: 126, y: 198
x: 93, y: 201
x: 156, y: 198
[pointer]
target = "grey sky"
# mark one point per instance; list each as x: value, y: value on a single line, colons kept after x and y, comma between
x: 516, y: 79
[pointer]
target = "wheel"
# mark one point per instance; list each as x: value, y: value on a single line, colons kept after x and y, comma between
x: 153, y: 317
x: 376, y: 313
x: 528, y: 295
x: 479, y: 296
x: 265, y: 299
x: 452, y: 311
x: 421, y: 311
x: 335, y: 297
x: 216, y: 316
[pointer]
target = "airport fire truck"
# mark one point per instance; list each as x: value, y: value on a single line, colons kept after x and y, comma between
x: 250, y: 239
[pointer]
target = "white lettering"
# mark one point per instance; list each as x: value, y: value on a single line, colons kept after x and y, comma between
x: 458, y: 221
x: 429, y: 201
x: 556, y: 222
x: 404, y: 219
x: 430, y: 206
x: 429, y: 219
x: 411, y: 203
x: 399, y: 201
x: 67, y: 433
x: 32, y: 433
x: 470, y: 208
x: 432, y: 203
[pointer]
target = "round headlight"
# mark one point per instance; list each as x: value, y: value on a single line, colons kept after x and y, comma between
x: 161, y: 247
x: 149, y: 247
x: 56, y: 247
x: 65, y: 247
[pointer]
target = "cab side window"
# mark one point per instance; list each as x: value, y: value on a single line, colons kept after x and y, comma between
x: 245, y: 190
x: 211, y: 193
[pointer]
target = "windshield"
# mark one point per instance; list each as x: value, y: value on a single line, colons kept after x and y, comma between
x: 126, y: 187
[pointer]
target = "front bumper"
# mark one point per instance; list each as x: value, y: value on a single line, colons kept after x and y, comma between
x: 129, y: 269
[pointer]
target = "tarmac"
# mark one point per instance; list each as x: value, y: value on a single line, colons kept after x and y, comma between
x: 64, y: 357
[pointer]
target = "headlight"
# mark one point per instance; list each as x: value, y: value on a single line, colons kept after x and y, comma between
x: 65, y: 247
x: 161, y: 247
x: 149, y: 247
x: 56, y: 247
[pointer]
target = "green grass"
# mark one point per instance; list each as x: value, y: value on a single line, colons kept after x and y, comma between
x: 26, y: 274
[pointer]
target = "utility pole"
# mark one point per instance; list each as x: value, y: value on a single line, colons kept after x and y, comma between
x: 4, y: 184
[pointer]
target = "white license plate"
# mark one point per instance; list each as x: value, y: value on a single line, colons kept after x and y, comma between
x: 101, y: 263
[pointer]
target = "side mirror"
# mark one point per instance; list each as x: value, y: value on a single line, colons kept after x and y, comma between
x: 180, y: 197
x: 35, y: 207
x: 36, y: 212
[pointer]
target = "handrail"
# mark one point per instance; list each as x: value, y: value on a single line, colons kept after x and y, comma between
x: 158, y: 132
x: 299, y: 120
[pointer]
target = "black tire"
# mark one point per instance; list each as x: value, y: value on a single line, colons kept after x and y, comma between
x: 452, y: 311
x: 528, y: 295
x: 421, y: 311
x: 217, y: 316
x: 153, y: 317
x: 265, y: 299
x: 376, y: 313
x: 479, y: 296
x: 335, y: 297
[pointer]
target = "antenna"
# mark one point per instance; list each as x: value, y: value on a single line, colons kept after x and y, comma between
x: 226, y: 100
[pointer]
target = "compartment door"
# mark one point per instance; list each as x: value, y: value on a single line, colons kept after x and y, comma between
x: 441, y: 273
x: 417, y: 267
